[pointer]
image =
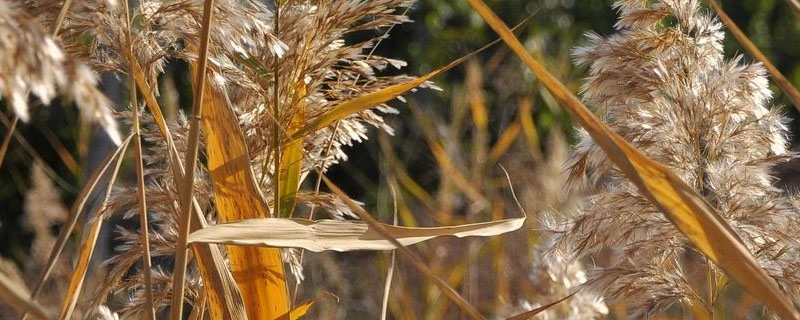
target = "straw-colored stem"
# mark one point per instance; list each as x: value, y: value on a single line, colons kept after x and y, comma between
x: 7, y: 139
x: 147, y: 266
x: 787, y: 87
x: 179, y: 274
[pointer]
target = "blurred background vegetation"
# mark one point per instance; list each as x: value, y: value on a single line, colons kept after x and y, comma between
x: 480, y: 104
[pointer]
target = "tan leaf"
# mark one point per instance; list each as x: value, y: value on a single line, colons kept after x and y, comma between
x: 338, y: 235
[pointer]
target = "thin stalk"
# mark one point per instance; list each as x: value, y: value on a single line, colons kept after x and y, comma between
x: 147, y: 266
x: 276, y: 131
x: 179, y: 273
x: 7, y: 139
x: 387, y: 287
x: 61, y: 15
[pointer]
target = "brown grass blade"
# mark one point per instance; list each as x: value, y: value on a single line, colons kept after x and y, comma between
x: 259, y: 272
x: 687, y: 210
x: 17, y: 296
x: 529, y: 314
x: 338, y: 235
x: 785, y: 84
x: 88, y: 246
x: 369, y: 100
x: 224, y: 299
x: 184, y: 221
x: 7, y: 139
x: 77, y: 208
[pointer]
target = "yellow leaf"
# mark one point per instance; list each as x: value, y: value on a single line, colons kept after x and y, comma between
x: 258, y: 272
x: 292, y: 157
x: 224, y: 298
x: 686, y: 209
x: 369, y: 100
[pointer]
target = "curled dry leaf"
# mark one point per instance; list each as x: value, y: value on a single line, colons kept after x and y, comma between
x: 338, y: 235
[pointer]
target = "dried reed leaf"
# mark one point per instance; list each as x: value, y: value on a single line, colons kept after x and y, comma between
x: 259, y: 272
x: 224, y: 299
x: 681, y: 205
x: 88, y: 246
x: 338, y: 235
x: 298, y: 311
x: 77, y: 208
x: 784, y: 83
x: 531, y: 313
x: 292, y: 157
x: 369, y: 100
x: 17, y: 296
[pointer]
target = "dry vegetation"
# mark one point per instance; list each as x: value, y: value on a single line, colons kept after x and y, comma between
x: 667, y: 206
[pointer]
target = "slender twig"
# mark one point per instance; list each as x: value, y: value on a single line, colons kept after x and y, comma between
x: 179, y: 273
x: 7, y: 139
x: 147, y: 266
x: 61, y: 15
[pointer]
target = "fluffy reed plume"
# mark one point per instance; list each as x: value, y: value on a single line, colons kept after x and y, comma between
x: 254, y: 59
x: 43, y: 212
x: 33, y: 63
x: 661, y: 81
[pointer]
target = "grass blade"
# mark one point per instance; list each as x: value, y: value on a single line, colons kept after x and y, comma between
x: 369, y: 100
x: 687, y: 210
x: 339, y: 235
x: 224, y: 299
x: 7, y: 139
x: 259, y: 272
x: 75, y: 211
x: 785, y: 84
x: 292, y: 158
x: 88, y: 246
x: 184, y: 221
x: 531, y: 313
x: 18, y: 298
x: 144, y: 229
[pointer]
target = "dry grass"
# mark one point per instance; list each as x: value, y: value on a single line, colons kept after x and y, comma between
x: 667, y: 203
